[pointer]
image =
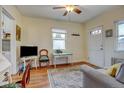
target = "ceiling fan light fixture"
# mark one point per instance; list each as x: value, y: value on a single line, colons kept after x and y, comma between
x: 70, y: 8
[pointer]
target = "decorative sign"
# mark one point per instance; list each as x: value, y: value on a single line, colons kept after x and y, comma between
x: 109, y: 33
x: 75, y: 34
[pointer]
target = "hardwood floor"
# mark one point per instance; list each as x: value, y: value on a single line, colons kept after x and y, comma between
x: 39, y: 77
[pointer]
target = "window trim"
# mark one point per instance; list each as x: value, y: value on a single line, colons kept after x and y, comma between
x: 62, y: 31
x: 117, y: 35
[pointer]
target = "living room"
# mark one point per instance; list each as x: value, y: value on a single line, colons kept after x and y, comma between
x: 37, y: 30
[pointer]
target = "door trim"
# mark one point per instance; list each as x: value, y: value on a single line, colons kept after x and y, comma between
x: 103, y: 42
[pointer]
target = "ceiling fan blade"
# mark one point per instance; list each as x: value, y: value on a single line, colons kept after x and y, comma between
x: 66, y: 12
x: 58, y: 7
x: 78, y: 11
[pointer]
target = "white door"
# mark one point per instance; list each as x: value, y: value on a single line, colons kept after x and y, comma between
x: 96, y: 51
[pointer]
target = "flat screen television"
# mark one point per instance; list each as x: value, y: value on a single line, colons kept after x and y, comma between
x: 26, y: 51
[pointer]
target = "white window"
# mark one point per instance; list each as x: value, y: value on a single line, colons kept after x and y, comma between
x: 59, y: 37
x: 120, y: 36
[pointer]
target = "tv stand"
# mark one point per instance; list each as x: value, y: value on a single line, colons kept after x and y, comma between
x: 29, y: 58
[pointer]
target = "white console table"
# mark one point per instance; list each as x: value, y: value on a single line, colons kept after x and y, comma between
x: 34, y: 58
x: 60, y: 55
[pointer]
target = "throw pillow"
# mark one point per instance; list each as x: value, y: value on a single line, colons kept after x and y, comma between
x: 120, y: 76
x: 113, y: 69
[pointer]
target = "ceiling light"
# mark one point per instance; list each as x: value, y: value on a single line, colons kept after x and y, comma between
x: 69, y: 8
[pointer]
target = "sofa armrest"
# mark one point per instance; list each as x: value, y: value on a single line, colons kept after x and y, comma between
x: 95, y: 79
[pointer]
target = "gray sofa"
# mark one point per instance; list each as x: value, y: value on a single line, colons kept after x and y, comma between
x: 93, y: 78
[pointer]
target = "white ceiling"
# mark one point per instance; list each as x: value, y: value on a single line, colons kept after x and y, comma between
x: 46, y: 11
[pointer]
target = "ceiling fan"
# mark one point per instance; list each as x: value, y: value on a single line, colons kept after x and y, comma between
x: 69, y: 8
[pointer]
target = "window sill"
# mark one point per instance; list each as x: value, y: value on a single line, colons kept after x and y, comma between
x: 119, y: 51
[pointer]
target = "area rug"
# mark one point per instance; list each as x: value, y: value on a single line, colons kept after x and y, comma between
x: 70, y: 77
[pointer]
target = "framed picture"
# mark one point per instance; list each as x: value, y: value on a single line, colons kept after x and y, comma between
x: 109, y: 33
x: 18, y: 33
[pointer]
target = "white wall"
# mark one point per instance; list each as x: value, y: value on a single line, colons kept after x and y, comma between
x: 37, y: 31
x: 107, y: 20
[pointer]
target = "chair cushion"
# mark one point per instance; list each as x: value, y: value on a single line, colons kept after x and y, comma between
x: 43, y: 58
x: 120, y: 75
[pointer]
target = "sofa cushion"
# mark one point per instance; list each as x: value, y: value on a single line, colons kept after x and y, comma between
x: 43, y: 58
x: 120, y: 75
x: 102, y: 71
